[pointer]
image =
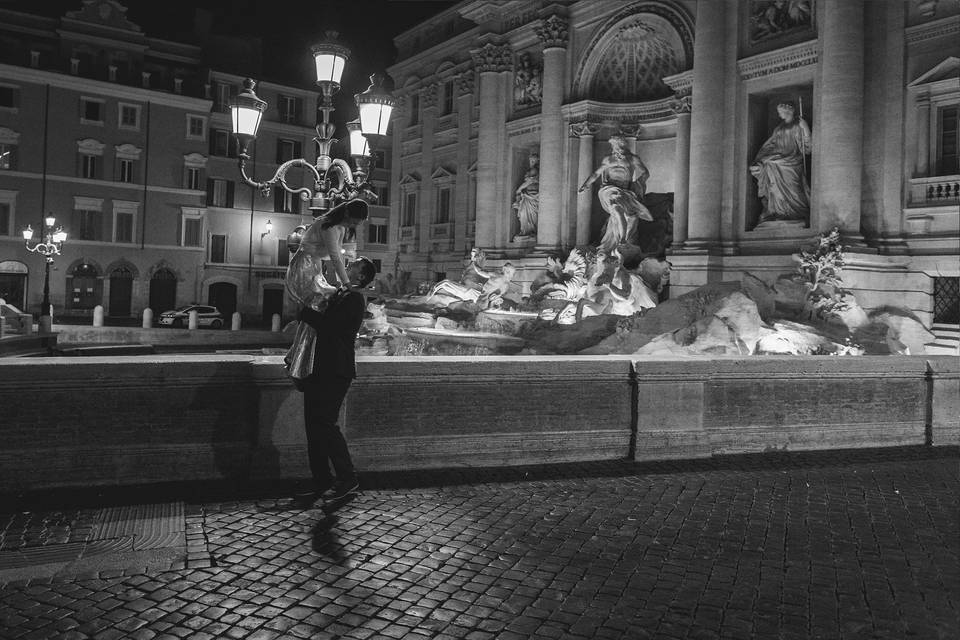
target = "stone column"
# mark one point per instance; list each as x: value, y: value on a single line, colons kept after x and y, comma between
x: 584, y: 131
x: 428, y: 204
x: 553, y: 33
x: 681, y: 186
x: 840, y: 130
x: 706, y: 128
x: 464, y: 86
x: 489, y: 61
x: 923, y: 136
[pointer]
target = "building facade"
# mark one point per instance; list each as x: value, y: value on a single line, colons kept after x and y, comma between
x: 694, y: 88
x: 126, y: 140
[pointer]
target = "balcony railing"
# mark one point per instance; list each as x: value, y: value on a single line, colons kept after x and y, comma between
x: 441, y: 230
x: 935, y: 190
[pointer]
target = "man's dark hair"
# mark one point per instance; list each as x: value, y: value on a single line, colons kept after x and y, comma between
x: 367, y: 270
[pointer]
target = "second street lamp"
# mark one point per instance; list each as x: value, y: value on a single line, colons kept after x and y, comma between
x: 48, y: 246
x: 334, y: 180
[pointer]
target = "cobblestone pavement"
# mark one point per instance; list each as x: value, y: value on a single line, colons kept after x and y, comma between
x: 861, y: 544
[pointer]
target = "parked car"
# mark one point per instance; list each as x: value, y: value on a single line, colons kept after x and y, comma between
x: 206, y: 317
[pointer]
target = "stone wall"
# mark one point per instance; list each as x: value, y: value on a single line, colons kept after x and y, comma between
x: 129, y: 420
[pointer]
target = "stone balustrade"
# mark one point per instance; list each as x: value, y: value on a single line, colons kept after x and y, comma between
x: 133, y: 420
x: 935, y: 191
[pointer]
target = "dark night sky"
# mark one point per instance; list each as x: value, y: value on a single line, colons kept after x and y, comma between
x: 287, y: 27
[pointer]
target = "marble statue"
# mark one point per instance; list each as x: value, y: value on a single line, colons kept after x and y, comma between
x: 494, y: 289
x: 623, y: 179
x: 780, y: 170
x: 471, y: 282
x: 527, y: 202
x: 527, y: 82
x: 566, y: 284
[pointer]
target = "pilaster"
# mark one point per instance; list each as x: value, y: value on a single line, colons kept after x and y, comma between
x: 490, y: 61
x: 584, y: 133
x: 553, y: 34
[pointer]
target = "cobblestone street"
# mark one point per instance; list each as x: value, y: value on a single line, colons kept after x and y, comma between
x: 861, y: 544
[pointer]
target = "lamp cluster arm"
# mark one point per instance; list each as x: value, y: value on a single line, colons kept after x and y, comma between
x: 334, y: 180
x: 50, y: 243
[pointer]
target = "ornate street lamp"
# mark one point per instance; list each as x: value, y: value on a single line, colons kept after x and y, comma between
x: 334, y: 181
x: 48, y: 246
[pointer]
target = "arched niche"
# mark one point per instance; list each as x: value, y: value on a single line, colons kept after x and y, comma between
x: 631, y: 53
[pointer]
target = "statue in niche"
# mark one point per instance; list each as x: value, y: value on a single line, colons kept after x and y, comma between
x: 771, y: 18
x: 623, y: 182
x: 527, y: 202
x: 780, y: 170
x: 527, y: 82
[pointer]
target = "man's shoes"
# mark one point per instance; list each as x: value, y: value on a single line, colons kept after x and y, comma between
x: 305, y: 499
x: 340, y: 490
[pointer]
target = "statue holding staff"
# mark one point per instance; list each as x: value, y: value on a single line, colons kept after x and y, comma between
x: 780, y: 170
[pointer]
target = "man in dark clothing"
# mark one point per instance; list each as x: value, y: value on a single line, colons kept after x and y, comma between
x: 325, y: 389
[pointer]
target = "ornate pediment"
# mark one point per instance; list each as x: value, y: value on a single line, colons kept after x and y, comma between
x: 108, y: 13
x: 9, y: 136
x: 127, y: 151
x: 410, y: 181
x: 949, y: 69
x: 91, y: 146
x: 441, y: 174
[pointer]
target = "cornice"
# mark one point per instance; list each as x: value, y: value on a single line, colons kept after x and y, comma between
x: 635, y: 112
x: 101, y: 88
x: 681, y: 83
x: 764, y: 64
x: 945, y: 27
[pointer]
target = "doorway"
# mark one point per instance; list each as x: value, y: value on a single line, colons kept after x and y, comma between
x: 272, y: 303
x: 163, y: 291
x: 121, y: 292
x: 223, y: 296
x: 13, y: 283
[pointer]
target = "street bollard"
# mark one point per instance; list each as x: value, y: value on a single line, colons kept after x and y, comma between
x: 98, y: 316
x: 275, y: 323
x: 235, y: 321
x: 147, y: 318
x: 192, y: 322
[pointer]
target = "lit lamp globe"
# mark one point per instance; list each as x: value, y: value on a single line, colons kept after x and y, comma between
x: 50, y: 220
x: 246, y: 111
x: 375, y: 106
x: 60, y: 236
x: 359, y: 146
x: 330, y: 58
x: 28, y: 234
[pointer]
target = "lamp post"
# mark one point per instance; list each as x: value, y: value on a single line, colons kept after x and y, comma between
x: 334, y: 180
x: 48, y: 246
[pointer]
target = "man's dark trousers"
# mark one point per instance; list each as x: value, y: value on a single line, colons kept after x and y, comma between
x: 323, y: 395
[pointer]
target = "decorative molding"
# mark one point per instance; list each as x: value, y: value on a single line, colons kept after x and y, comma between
x: 640, y: 112
x: 9, y: 136
x: 553, y: 32
x: 630, y: 129
x: 493, y: 57
x: 90, y: 146
x: 127, y: 151
x: 583, y: 128
x: 466, y: 82
x: 681, y: 83
x: 85, y: 203
x: 428, y: 96
x: 943, y: 28
x: 681, y: 105
x: 792, y: 57
x: 195, y: 160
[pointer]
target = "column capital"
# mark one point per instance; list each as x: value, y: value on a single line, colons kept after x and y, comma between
x: 682, y: 104
x: 493, y: 57
x: 466, y: 82
x: 630, y: 129
x: 584, y: 128
x: 553, y: 31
